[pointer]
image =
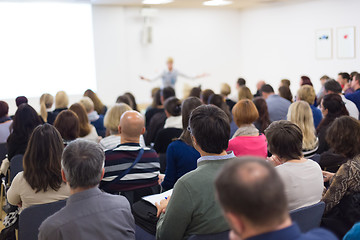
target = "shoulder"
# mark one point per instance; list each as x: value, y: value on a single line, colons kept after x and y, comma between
x: 319, y: 233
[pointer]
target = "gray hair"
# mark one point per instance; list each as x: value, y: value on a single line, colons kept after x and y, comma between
x: 82, y: 162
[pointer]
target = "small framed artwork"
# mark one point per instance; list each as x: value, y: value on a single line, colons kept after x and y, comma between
x: 345, y: 37
x: 323, y: 39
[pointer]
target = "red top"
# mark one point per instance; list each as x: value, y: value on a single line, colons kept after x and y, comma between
x: 249, y: 146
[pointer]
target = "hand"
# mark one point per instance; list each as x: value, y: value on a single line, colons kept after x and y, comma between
x: 144, y: 78
x: 202, y: 75
x: 20, y: 204
x: 161, y: 178
x: 346, y: 87
x: 327, y: 176
x: 162, y: 206
x: 274, y: 160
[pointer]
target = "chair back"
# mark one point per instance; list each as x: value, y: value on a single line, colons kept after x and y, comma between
x: 31, y: 218
x: 308, y: 217
x: 16, y: 165
x: 217, y: 236
x: 3, y: 151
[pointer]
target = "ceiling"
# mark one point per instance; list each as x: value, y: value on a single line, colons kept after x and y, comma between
x: 237, y: 4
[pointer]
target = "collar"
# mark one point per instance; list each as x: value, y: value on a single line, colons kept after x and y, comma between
x: 5, y: 119
x: 291, y: 232
x: 211, y: 158
x: 173, y: 122
x: 93, y: 116
x: 83, y: 195
x: 127, y: 147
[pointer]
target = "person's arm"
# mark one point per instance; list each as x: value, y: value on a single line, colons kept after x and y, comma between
x: 173, y: 223
x: 13, y: 195
x: 152, y: 79
x: 191, y: 77
x: 170, y: 172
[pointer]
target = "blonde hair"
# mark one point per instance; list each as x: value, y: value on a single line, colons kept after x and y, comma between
x: 169, y: 60
x: 112, y: 116
x: 87, y: 103
x: 300, y: 114
x: 46, y: 101
x: 306, y: 93
x: 245, y: 93
x: 225, y: 89
x: 61, y: 100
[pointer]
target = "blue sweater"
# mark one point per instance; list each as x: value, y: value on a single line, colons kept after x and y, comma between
x: 355, y: 97
x: 317, y: 115
x: 180, y: 159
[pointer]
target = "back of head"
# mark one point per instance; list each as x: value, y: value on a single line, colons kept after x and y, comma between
x: 306, y: 81
x: 24, y: 121
x: 333, y: 86
x: 132, y: 100
x: 285, y: 92
x: 167, y: 93
x: 211, y: 128
x: 42, y: 158
x: 20, y: 100
x: 218, y: 100
x: 87, y: 103
x: 82, y: 163
x: 285, y: 82
x: 156, y: 99
x: 307, y: 94
x: 251, y: 188
x: 262, y: 108
x: 132, y: 125
x: 267, y: 88
x: 245, y: 112
x: 343, y: 136
x: 195, y: 92
x: 113, y: 115
x: 300, y: 113
x: 173, y: 106
x: 284, y: 140
x: 335, y: 105
x: 4, y: 109
x: 241, y: 82
x: 245, y: 93
x: 98, y: 105
x: 61, y: 100
x: 225, y: 89
x: 345, y: 75
x: 46, y: 102
x: 83, y: 119
x: 325, y: 78
x: 187, y: 107
x: 67, y: 123
x: 204, y: 96
x: 123, y: 99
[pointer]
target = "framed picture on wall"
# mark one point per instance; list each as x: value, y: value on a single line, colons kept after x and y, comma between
x: 323, y: 39
x: 345, y: 37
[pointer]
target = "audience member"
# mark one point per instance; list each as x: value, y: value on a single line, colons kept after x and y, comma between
x: 5, y: 122
x: 87, y: 131
x: 300, y: 114
x: 307, y: 94
x: 252, y: 196
x: 95, y: 119
x: 285, y: 92
x: 244, y: 93
x: 61, y: 104
x: 124, y: 99
x: 304, y: 80
x: 89, y: 213
x: 264, y: 120
x: 205, y: 94
x: 155, y: 101
x: 130, y: 167
x: 155, y: 107
x: 195, y: 92
x: 285, y: 83
x: 133, y: 103
x: 46, y: 102
x: 20, y: 100
x: 259, y: 85
x: 100, y: 108
x: 331, y: 107
x: 343, y: 137
x: 247, y: 140
x: 355, y: 97
x: 343, y: 79
x: 277, y: 106
x: 40, y: 182
x: 302, y: 177
x: 187, y: 212
x: 68, y: 125
x: 240, y: 83
x: 321, y: 93
x: 181, y: 156
x: 333, y: 87
x: 225, y: 91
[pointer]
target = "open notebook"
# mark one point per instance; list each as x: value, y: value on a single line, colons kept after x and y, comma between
x: 156, y: 198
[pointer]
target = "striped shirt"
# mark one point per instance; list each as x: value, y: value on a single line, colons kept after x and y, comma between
x: 143, y: 174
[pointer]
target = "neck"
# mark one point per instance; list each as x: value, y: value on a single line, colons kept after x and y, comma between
x: 203, y: 154
x: 79, y: 189
x: 255, y: 231
x: 126, y: 139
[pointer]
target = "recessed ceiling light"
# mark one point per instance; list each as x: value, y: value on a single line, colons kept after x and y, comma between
x: 156, y: 1
x: 217, y: 3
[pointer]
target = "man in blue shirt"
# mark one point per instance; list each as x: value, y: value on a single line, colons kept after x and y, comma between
x: 253, y: 200
x: 355, y: 97
x: 277, y: 106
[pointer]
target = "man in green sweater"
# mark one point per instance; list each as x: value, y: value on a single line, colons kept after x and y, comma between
x: 193, y: 209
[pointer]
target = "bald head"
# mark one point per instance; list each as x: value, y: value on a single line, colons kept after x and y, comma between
x: 132, y: 125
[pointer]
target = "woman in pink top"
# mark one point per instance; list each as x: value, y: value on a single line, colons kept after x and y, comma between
x: 247, y: 140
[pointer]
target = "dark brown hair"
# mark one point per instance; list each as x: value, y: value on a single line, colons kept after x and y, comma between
x: 85, y: 127
x: 133, y: 100
x: 343, y: 136
x: 4, y: 108
x: 306, y: 81
x: 42, y: 167
x: 245, y: 112
x: 218, y: 100
x: 187, y: 107
x: 195, y: 92
x: 67, y: 123
x: 173, y: 106
x: 264, y: 119
x: 205, y: 94
x: 284, y: 140
x: 285, y: 92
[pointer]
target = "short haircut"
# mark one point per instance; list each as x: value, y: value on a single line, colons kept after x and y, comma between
x: 284, y: 139
x: 87, y: 103
x: 173, y: 106
x: 250, y: 187
x: 332, y: 85
x: 67, y: 123
x: 245, y: 112
x: 345, y: 75
x: 357, y: 77
x: 167, y: 92
x: 352, y: 74
x: 343, y: 136
x: 205, y: 94
x: 241, y: 82
x: 307, y: 94
x: 211, y: 128
x: 113, y: 115
x: 82, y: 163
x: 325, y: 77
x: 285, y: 82
x: 4, y: 109
x: 225, y: 89
x: 267, y: 88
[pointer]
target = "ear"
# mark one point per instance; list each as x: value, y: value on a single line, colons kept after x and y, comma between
x: 102, y: 173
x: 235, y: 222
x: 143, y: 131
x: 63, y: 175
x: 119, y: 129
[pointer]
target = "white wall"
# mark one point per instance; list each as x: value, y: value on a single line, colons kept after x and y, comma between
x: 279, y: 42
